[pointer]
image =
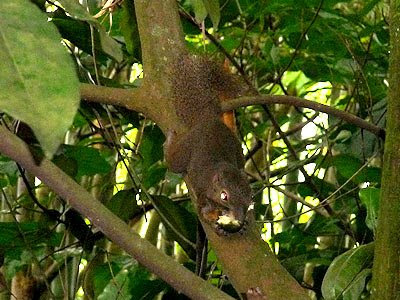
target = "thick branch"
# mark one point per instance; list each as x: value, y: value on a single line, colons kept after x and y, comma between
x: 133, y: 99
x: 161, y: 36
x: 145, y: 100
x: 114, y: 228
x: 298, y: 102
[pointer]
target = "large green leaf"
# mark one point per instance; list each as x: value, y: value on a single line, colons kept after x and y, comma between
x: 78, y: 33
x: 38, y: 82
x: 346, y: 272
x: 153, y: 175
x: 348, y: 166
x: 98, y: 274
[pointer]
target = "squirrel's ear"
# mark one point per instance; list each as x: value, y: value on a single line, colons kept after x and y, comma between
x: 216, y: 177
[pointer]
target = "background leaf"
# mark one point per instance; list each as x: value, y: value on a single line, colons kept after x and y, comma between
x: 124, y: 204
x: 370, y: 198
x: 88, y: 159
x: 180, y: 223
x: 108, y: 44
x: 199, y: 9
x: 212, y: 7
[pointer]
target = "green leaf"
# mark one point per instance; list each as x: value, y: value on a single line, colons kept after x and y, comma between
x: 78, y: 11
x: 38, y: 83
x: 132, y: 283
x: 98, y: 274
x: 180, y: 222
x: 78, y: 33
x: 319, y: 226
x: 153, y: 175
x: 123, y: 204
x: 3, y: 183
x: 15, y: 237
x: 89, y: 160
x: 108, y: 44
x: 346, y: 270
x: 142, y: 286
x: 199, y: 9
x: 129, y: 27
x: 116, y: 288
x: 348, y: 165
x: 213, y: 9
x: 7, y: 166
x: 67, y: 164
x: 151, y: 147
x: 370, y: 198
x: 78, y: 227
x: 357, y: 286
x: 102, y: 275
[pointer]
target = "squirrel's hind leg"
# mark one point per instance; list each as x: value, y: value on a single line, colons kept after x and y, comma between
x: 177, y: 152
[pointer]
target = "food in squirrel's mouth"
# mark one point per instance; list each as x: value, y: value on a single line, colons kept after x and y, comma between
x: 227, y: 220
x: 229, y: 224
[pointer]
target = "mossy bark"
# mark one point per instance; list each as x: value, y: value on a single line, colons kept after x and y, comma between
x: 386, y: 270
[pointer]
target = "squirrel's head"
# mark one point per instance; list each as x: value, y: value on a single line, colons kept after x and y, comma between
x: 230, y: 193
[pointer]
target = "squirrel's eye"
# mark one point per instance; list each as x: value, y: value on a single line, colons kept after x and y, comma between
x: 224, y: 196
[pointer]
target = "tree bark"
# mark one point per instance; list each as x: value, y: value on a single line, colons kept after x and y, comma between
x: 386, y: 269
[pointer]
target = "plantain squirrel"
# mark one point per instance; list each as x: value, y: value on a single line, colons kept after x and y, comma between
x: 209, y: 152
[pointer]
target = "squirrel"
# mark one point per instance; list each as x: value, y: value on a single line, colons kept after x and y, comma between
x: 209, y: 153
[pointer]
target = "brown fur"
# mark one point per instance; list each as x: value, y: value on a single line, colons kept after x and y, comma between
x: 209, y: 153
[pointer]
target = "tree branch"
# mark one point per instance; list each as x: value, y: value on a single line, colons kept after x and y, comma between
x: 133, y: 99
x: 298, y: 102
x: 108, y: 95
x: 114, y: 228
